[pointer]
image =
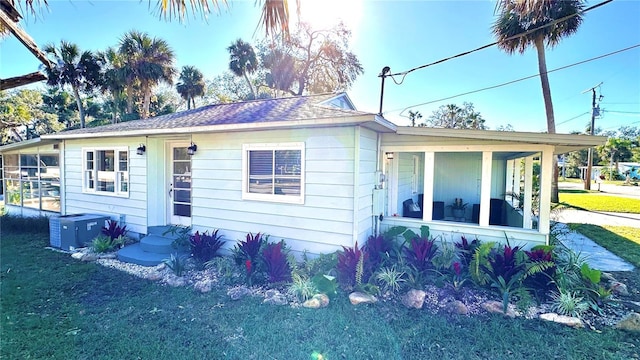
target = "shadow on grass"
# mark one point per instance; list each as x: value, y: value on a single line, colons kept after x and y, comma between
x: 575, y: 191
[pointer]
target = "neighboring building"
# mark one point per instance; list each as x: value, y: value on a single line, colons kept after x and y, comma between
x: 310, y: 170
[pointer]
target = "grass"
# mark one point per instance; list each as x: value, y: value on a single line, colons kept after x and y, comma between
x: 594, y: 202
x: 55, y: 307
x: 623, y: 241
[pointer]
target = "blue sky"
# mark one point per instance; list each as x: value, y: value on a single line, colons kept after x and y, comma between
x: 398, y: 34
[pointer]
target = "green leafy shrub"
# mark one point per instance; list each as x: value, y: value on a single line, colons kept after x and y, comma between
x: 390, y: 279
x: 505, y: 271
x: 104, y: 243
x: 181, y: 233
x: 177, y: 264
x: 24, y: 224
x: 568, y: 303
x: 302, y: 287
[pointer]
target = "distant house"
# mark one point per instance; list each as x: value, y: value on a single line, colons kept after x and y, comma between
x: 310, y: 170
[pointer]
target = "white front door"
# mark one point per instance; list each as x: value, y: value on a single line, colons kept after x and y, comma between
x: 179, y: 184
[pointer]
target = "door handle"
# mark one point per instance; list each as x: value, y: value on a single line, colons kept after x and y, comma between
x: 170, y: 189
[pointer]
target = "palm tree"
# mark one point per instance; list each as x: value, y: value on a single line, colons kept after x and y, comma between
x: 517, y: 17
x: 79, y: 70
x: 148, y: 61
x: 113, y: 78
x: 243, y: 61
x: 274, y: 16
x: 191, y: 85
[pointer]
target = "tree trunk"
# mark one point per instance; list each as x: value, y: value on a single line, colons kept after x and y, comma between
x: 548, y: 106
x: 129, y: 91
x: 253, y: 92
x: 76, y: 94
x: 146, y: 101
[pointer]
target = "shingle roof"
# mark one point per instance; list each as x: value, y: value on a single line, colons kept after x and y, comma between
x: 248, y: 112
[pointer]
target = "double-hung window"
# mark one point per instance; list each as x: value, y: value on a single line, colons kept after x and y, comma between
x: 106, y: 171
x: 273, y: 172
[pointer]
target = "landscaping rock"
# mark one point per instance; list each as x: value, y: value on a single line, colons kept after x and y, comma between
x: 317, y: 301
x: 154, y: 276
x: 175, y: 281
x: 605, y: 276
x: 89, y: 257
x: 77, y: 255
x: 457, y: 307
x: 238, y: 293
x: 161, y: 266
x: 495, y: 307
x: 107, y: 256
x: 414, y: 299
x: 361, y: 298
x: 562, y: 319
x: 274, y: 297
x: 204, y: 286
x: 631, y: 322
x: 618, y: 288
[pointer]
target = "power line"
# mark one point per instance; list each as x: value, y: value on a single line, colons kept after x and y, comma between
x: 515, y: 81
x: 621, y: 112
x: 573, y: 118
x: 405, y: 73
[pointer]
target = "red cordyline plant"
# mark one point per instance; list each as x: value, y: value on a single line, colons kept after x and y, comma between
x: 276, y: 264
x: 205, y: 246
x: 113, y: 230
x: 348, y: 264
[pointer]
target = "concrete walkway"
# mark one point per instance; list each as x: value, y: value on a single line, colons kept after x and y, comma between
x: 596, y: 256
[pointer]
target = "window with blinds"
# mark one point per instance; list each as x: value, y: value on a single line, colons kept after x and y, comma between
x: 274, y: 172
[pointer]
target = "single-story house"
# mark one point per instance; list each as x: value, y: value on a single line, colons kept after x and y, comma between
x: 311, y: 170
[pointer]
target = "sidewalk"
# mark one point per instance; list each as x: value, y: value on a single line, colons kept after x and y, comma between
x: 596, y: 256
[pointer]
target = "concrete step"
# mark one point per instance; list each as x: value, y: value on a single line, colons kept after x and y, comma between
x: 164, y: 231
x: 157, y: 244
x: 136, y: 255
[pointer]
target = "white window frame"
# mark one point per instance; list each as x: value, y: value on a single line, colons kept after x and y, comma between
x: 246, y: 195
x: 116, y: 171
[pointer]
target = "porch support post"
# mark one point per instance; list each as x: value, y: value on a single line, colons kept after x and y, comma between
x: 429, y: 171
x: 485, y: 187
x: 510, y: 181
x: 546, y: 174
x: 527, y: 222
x: 516, y: 176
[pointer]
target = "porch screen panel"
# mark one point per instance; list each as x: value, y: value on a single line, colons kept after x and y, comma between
x: 12, y: 180
x: 50, y: 182
x: 30, y: 180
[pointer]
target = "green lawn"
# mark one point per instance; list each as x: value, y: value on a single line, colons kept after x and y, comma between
x: 597, y: 202
x: 623, y: 241
x: 58, y: 308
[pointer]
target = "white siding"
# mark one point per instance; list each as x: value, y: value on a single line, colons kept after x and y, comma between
x: 366, y: 182
x: 458, y: 175
x: 325, y: 221
x: 133, y: 207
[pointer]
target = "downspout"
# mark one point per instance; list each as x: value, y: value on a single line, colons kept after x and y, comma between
x: 63, y: 177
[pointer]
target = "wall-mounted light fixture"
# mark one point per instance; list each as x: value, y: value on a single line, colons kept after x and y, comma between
x: 141, y: 149
x: 192, y: 149
x: 389, y: 155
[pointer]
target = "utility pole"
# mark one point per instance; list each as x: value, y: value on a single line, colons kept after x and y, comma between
x: 587, y: 180
x: 383, y: 74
